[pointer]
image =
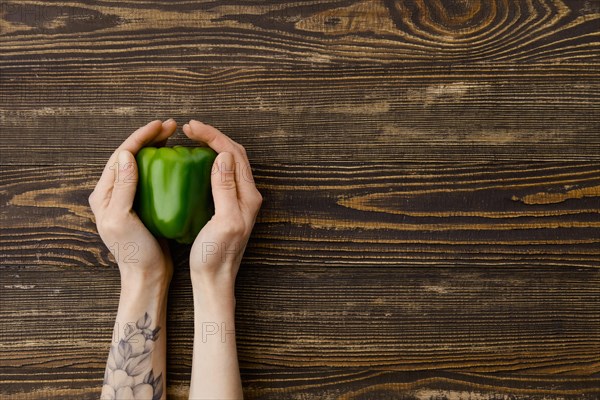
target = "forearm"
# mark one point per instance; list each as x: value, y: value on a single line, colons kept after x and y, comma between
x: 136, y: 366
x: 214, y: 262
x: 215, y: 369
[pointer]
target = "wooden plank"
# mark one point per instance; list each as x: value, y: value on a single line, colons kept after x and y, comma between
x: 430, y: 174
x: 407, y: 113
x: 442, y: 214
x: 297, y: 33
x: 313, y: 330
x: 310, y: 81
x: 337, y: 276
x: 336, y: 383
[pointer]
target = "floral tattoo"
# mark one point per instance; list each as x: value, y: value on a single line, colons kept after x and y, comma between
x: 129, y: 372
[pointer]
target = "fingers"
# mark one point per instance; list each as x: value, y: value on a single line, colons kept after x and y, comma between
x: 247, y: 192
x: 123, y: 193
x: 141, y: 137
x: 210, y: 135
x: 168, y: 128
x: 125, y: 184
x: 224, y: 188
x: 151, y: 133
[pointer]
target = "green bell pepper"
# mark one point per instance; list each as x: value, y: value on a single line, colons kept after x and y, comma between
x: 173, y: 197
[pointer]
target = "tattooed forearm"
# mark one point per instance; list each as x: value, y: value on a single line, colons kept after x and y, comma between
x: 129, y: 372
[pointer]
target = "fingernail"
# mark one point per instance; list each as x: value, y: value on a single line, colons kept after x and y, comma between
x: 169, y: 121
x: 186, y: 126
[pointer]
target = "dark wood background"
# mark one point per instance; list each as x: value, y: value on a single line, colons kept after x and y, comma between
x: 430, y: 170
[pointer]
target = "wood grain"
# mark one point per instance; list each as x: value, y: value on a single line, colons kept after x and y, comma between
x: 439, y: 214
x: 520, y: 330
x: 430, y: 228
x: 390, y: 114
x: 347, y: 80
x: 321, y: 284
x: 298, y: 33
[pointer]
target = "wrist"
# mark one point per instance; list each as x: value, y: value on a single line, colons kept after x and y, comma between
x: 144, y: 282
x: 214, y: 297
x: 140, y: 295
x: 214, y: 277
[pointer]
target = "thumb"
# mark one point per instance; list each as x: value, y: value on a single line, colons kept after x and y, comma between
x: 223, y: 185
x: 125, y: 182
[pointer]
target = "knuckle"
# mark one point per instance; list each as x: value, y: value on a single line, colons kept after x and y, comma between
x: 120, y: 184
x: 258, y: 199
x: 232, y: 229
x: 111, y: 223
x: 241, y: 148
x: 92, y: 199
x: 228, y: 182
x: 227, y: 178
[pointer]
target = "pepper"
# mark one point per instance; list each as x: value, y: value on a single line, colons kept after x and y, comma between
x: 173, y: 197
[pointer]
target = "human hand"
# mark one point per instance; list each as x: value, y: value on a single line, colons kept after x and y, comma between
x: 217, y: 251
x: 140, y: 256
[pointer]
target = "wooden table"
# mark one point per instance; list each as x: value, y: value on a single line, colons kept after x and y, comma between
x: 431, y: 179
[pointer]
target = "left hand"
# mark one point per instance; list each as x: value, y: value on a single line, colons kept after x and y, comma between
x: 137, y: 252
x: 217, y: 251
